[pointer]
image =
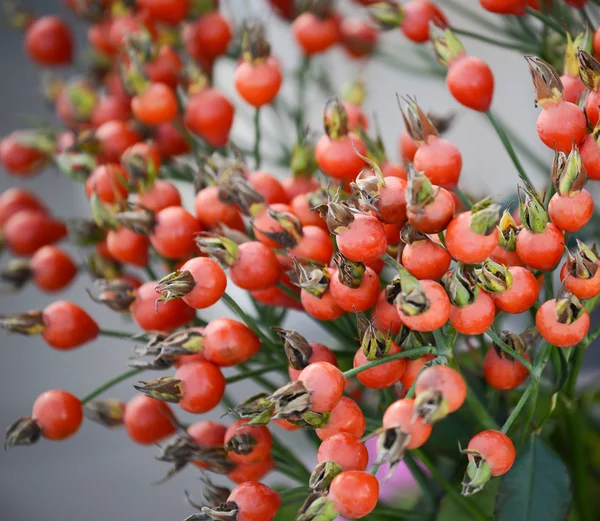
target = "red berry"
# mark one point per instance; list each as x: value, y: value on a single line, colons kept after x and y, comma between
x: 346, y: 450
x: 315, y: 35
x: 522, y: 293
x: 381, y: 376
x: 209, y: 114
x: 28, y: 230
x: 315, y: 245
x: 385, y: 315
x: 571, y: 212
x: 254, y: 449
x: 418, y: 14
x: 363, y: 240
x: 413, y: 368
x: 497, y: 449
x: 445, y: 380
x: 467, y: 246
x: 147, y: 421
x: 52, y: 268
x: 440, y: 161
x: 541, y: 251
x: 269, y: 187
x: 15, y: 200
x: 337, y: 158
x: 474, y: 318
x: 58, y: 414
x: 229, y: 342
x: 203, y: 386
x: 127, y: 246
x: 436, y: 315
x: 211, y: 211
x: 581, y: 288
x: 67, y: 326
x: 115, y: 137
x: 174, y: 233
x: 434, y: 217
x: 361, y: 298
x: 254, y: 502
x: 401, y: 414
x: 169, y: 11
x: 162, y: 195
x: 244, y: 472
x: 560, y: 125
x: 210, y: 282
x: 501, y: 371
x: 258, y: 83
x: 556, y: 333
x: 426, y: 259
x: 207, y: 435
x: 354, y: 493
x: 48, y: 41
x: 471, y: 82
x: 156, y: 105
x: 346, y: 416
x: 324, y: 308
x: 18, y: 158
x: 325, y: 383
x: 256, y: 267
x: 166, y: 316
x: 207, y: 37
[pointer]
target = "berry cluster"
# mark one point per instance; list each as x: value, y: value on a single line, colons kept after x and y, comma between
x: 410, y: 277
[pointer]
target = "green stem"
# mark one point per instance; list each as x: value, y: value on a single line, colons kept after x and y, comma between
x: 479, y: 410
x: 291, y: 493
x: 405, y: 354
x: 301, y: 107
x: 257, y: 138
x: 463, y: 198
x: 520, y: 404
x: 232, y: 304
x: 255, y: 372
x: 546, y: 20
x: 117, y: 334
x: 477, y: 514
x: 111, y: 383
x: 507, y: 145
x: 507, y: 349
x: 506, y: 45
x: 150, y: 273
x: 291, y: 458
x: 442, y: 239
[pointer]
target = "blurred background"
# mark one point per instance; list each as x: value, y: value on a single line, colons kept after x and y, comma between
x: 99, y: 473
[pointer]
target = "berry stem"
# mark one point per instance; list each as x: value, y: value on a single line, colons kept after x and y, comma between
x: 463, y: 198
x: 507, y: 145
x: 405, y: 354
x: 520, y: 404
x: 546, y: 20
x: 257, y: 138
x: 505, y: 45
x: 479, y: 410
x: 302, y: 74
x: 507, y: 349
x: 117, y: 334
x: 110, y: 383
x: 255, y: 372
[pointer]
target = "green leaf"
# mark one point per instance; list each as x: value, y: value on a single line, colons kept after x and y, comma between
x: 537, y: 488
x: 452, y: 510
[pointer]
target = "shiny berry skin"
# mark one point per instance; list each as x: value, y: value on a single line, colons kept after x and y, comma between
x: 115, y: 137
x: 447, y: 381
x: 326, y: 384
x: 592, y: 109
x: 261, y: 447
x: 413, y: 368
x: 67, y: 326
x: 437, y: 314
x: 504, y: 6
x: 561, y: 125
x: 434, y: 217
x: 169, y: 141
x: 256, y: 267
x: 508, y: 258
x: 209, y: 114
x: 167, y: 316
x: 28, y: 230
x: 169, y: 11
x: 346, y: 416
x: 155, y: 105
x: 147, y: 421
x: 207, y: 37
x: 354, y: 493
x: 315, y: 35
x: 211, y: 211
x: 203, y: 386
x: 358, y: 37
x: 324, y: 308
x: 337, y: 158
x: 165, y: 67
x: 590, y: 157
x: 210, y: 282
x: 361, y: 298
x: 391, y: 202
x: 17, y: 158
x: 255, y: 502
x: 302, y: 209
x: 109, y: 108
x: 269, y: 187
x: 571, y: 212
x: 229, y: 342
x: 320, y: 353
x: 440, y: 161
x: 127, y: 246
x: 381, y: 376
x: 315, y: 245
x: 581, y: 288
x: 465, y: 245
x: 363, y: 240
x: 49, y: 42
x: 497, y: 449
x: 207, y: 435
x: 574, y: 90
x: 475, y: 318
x: 522, y: 294
x: 58, y: 414
x: 471, y: 83
x: 418, y: 14
x: 109, y: 182
x: 385, y: 315
x: 426, y: 259
x: 144, y: 151
x: 541, y: 251
x: 407, y: 146
x: 299, y: 184
x: 389, y: 169
x: 502, y: 373
x: 401, y: 414
x: 52, y: 269
x: 174, y: 233
x: 557, y: 334
x: 244, y: 472
x: 15, y: 200
x: 346, y: 450
x: 258, y: 83
x: 162, y: 195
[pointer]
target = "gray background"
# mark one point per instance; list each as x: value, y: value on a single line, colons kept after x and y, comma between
x: 100, y: 474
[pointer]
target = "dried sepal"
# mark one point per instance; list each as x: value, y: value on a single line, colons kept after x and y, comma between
x: 548, y: 87
x: 406, y: 293
x: 165, y: 389
x: 194, y: 77
x: 317, y: 507
x: 589, y: 70
x: 116, y: 294
x: 485, y: 216
x: 109, y: 413
x: 100, y: 267
x: 391, y: 446
x: 508, y: 231
x: 224, y: 512
x: 349, y: 273
x: 141, y: 171
x: 297, y: 349
x: 581, y: 42
x: 255, y: 47
x: 335, y: 119
x: 303, y: 162
x: 568, y: 172
x: 374, y: 343
x: 311, y: 278
x: 568, y: 307
x: 174, y: 285
x: 242, y: 444
x: 337, y: 214
x: 28, y: 323
x: 409, y: 234
x: 221, y: 249
x: 211, y: 494
x: 460, y: 285
x: 477, y: 475
x: 76, y: 165
x: 16, y: 274
x: 137, y: 218
x: 446, y: 45
x: 259, y: 408
x: 519, y: 343
x: 291, y: 229
x: 532, y: 211
x: 322, y: 476
x: 354, y: 92
x: 387, y: 15
x: 582, y: 263
x: 235, y: 189
x: 431, y: 406
x: 419, y: 190
x: 418, y: 125
x: 84, y: 232
x: 494, y: 277
x: 102, y: 213
x: 310, y: 420
x: 24, y: 431
x: 291, y: 400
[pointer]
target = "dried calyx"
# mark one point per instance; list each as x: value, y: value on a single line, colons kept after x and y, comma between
x: 323, y: 475
x: 317, y: 507
x: 508, y: 231
x: 548, y: 87
x: 392, y: 443
x: 409, y: 234
x: 461, y: 285
x: 193, y: 76
x: 589, y: 70
x: 312, y: 278
x: 568, y: 172
x: 494, y: 277
x: 387, y: 15
x: 582, y: 42
x: 531, y: 209
x: 419, y: 127
x: 582, y: 262
x: 16, y: 274
x: 234, y: 188
x: 241, y: 444
x: 290, y: 233
x: 109, y: 413
x: 568, y: 307
x: 141, y: 171
x: 255, y: 47
x: 419, y: 190
x: 336, y: 213
x: 407, y: 294
x: 485, y: 216
x: 29, y: 323
x: 297, y: 349
x: 84, y: 232
x: 116, y: 294
x: 349, y: 273
x: 446, y: 45
x: 211, y: 494
x: 478, y: 473
x: 520, y: 343
x: 174, y: 285
x: 303, y: 162
x: 165, y: 389
x: 137, y: 218
x: 221, y: 249
x: 24, y: 431
x: 335, y: 119
x: 374, y: 343
x: 431, y: 406
x: 100, y: 267
x: 166, y: 350
x: 77, y: 165
x: 367, y: 186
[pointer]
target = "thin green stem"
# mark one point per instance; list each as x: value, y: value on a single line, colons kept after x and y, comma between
x: 479, y: 410
x: 301, y: 107
x: 507, y: 145
x: 117, y: 334
x: 507, y: 349
x: 111, y: 383
x: 292, y: 458
x: 292, y: 493
x: 520, y: 404
x: 463, y: 198
x: 257, y: 138
x: 442, y: 238
x: 546, y: 20
x: 405, y: 354
x: 505, y: 45
x: 150, y: 273
x: 256, y: 372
